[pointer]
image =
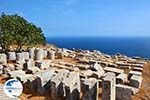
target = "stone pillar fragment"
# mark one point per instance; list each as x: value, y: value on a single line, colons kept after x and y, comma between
x: 43, y: 81
x: 57, y: 89
x: 31, y: 53
x: 11, y: 56
x: 3, y: 58
x: 1, y: 69
x: 51, y: 54
x: 26, y: 55
x: 90, y: 89
x: 38, y: 54
x: 44, y: 64
x: 20, y: 57
x: 123, y: 92
x: 108, y: 87
x: 72, y: 86
x: 136, y: 81
x: 121, y: 78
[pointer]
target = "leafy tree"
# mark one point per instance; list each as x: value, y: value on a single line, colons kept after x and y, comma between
x: 15, y: 30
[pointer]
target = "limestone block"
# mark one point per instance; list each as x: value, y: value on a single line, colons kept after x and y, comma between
x: 136, y: 81
x: 57, y: 88
x: 72, y: 86
x: 1, y: 69
x: 38, y: 54
x: 51, y: 54
x: 26, y: 55
x: 96, y: 67
x: 121, y: 78
x: 123, y: 92
x: 90, y: 89
x: 108, y: 87
x: 44, y: 64
x: 3, y: 58
x: 43, y: 81
x: 20, y: 57
x: 45, y: 53
x: 11, y: 56
x: 31, y: 53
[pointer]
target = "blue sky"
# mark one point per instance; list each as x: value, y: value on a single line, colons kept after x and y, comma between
x: 60, y: 18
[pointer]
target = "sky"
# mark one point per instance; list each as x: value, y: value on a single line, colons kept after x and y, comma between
x: 77, y: 18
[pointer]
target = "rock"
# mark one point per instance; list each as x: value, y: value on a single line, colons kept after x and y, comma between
x: 108, y: 87
x: 90, y: 89
x: 72, y: 86
x: 123, y: 92
x: 57, y: 89
x: 20, y: 57
x: 51, y: 55
x: 44, y: 64
x: 26, y: 55
x: 136, y: 81
x: 11, y: 56
x: 31, y: 53
x: 3, y: 58
x: 1, y: 69
x: 43, y: 81
x: 121, y: 78
x: 114, y: 70
x: 96, y: 67
x: 38, y: 54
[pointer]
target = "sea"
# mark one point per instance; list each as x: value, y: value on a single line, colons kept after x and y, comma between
x: 130, y: 46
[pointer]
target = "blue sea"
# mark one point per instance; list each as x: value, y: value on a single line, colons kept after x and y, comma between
x: 110, y: 45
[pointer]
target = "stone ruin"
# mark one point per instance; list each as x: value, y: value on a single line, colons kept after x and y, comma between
x: 46, y: 72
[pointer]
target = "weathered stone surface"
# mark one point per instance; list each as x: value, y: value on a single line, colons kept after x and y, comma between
x: 96, y: 67
x: 28, y: 64
x: 123, y: 92
x: 31, y: 53
x: 57, y: 89
x: 43, y: 81
x: 133, y: 89
x: 44, y: 64
x: 26, y: 55
x: 136, y: 81
x: 114, y: 70
x: 14, y: 74
x: 90, y: 89
x: 51, y: 54
x: 134, y: 73
x: 108, y: 87
x: 11, y: 56
x: 121, y: 78
x: 1, y: 69
x: 45, y: 53
x: 3, y: 58
x: 20, y: 57
x: 72, y: 86
x: 38, y: 54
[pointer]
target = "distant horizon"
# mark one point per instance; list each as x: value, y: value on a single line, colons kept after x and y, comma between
x: 65, y: 18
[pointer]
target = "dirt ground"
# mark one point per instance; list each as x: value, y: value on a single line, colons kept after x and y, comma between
x: 143, y: 94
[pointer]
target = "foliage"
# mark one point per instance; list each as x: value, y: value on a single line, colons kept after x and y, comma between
x: 15, y: 30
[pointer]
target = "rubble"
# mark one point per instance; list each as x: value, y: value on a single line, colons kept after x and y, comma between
x: 68, y: 73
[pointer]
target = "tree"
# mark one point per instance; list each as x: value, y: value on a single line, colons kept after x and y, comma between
x: 15, y: 30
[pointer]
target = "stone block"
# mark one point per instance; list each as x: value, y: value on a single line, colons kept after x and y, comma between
x: 51, y: 54
x: 3, y: 58
x: 136, y: 81
x: 20, y: 57
x: 31, y: 53
x: 123, y: 92
x: 90, y: 89
x: 121, y: 78
x: 11, y: 56
x: 108, y: 87
x: 72, y: 86
x: 38, y: 54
